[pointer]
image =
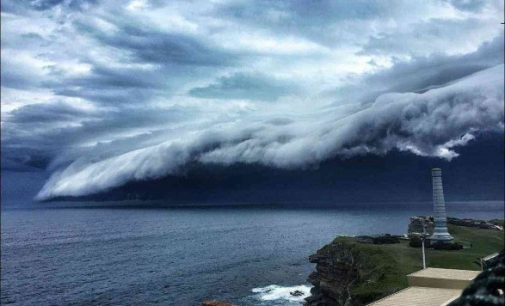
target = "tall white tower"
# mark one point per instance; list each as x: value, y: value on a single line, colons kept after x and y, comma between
x: 440, y: 233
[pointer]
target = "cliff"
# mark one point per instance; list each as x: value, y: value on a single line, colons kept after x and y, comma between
x: 349, y: 272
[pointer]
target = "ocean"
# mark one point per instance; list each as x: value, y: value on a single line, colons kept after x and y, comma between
x: 251, y: 255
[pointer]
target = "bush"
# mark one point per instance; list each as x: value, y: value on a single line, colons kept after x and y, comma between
x: 415, y: 242
x: 448, y: 246
x: 499, y: 222
x: 386, y: 239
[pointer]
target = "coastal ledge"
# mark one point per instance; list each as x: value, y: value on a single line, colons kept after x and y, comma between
x: 353, y: 271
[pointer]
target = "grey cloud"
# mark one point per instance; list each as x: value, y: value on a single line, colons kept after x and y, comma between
x: 338, y: 23
x: 101, y: 94
x: 153, y: 46
x: 57, y: 126
x: 423, y: 73
x: 245, y: 86
x: 114, y: 96
x: 20, y: 7
x: 49, y: 4
x: 16, y: 79
x: 325, y: 22
x: 146, y: 63
x: 33, y: 128
x: 19, y: 75
x: 174, y: 59
x: 116, y: 86
x: 468, y: 5
x: 412, y: 40
x: 45, y: 4
x: 302, y: 15
x: 44, y: 113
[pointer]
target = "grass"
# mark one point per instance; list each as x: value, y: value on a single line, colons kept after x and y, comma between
x: 480, y: 243
x: 392, y: 262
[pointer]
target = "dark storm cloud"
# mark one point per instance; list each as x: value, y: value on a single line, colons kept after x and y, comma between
x: 424, y: 73
x: 61, y: 124
x: 153, y: 46
x: 45, y: 113
x: 103, y: 77
x: 116, y: 86
x: 104, y: 93
x: 429, y: 124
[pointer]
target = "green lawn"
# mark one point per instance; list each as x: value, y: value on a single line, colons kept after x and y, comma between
x: 394, y: 261
x: 483, y: 242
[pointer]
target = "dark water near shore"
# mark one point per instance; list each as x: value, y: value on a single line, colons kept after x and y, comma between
x: 181, y: 256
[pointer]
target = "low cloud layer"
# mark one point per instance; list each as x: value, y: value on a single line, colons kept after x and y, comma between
x: 100, y: 94
x: 428, y: 124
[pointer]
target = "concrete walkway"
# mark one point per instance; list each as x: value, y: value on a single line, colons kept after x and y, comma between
x: 430, y: 287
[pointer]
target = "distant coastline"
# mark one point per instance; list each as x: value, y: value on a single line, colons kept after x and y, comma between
x: 83, y: 203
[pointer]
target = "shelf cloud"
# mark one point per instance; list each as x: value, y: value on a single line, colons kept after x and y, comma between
x: 428, y: 124
x: 102, y: 94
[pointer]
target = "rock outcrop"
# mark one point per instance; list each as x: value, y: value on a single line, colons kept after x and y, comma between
x: 416, y: 225
x: 342, y: 267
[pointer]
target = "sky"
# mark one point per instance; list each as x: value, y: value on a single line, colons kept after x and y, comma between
x: 101, y: 94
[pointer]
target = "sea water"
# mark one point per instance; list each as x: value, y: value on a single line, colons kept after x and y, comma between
x: 182, y: 256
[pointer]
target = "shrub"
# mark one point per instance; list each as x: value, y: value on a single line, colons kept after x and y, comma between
x: 386, y: 239
x: 448, y: 246
x: 415, y: 242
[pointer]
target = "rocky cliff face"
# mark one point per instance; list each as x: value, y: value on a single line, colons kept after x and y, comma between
x: 342, y: 267
x: 334, y: 277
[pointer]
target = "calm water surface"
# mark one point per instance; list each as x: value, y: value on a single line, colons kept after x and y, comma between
x: 181, y: 256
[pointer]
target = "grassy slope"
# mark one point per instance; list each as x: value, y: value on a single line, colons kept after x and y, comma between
x: 395, y: 261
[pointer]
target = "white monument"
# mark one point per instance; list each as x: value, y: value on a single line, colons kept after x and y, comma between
x: 440, y: 233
